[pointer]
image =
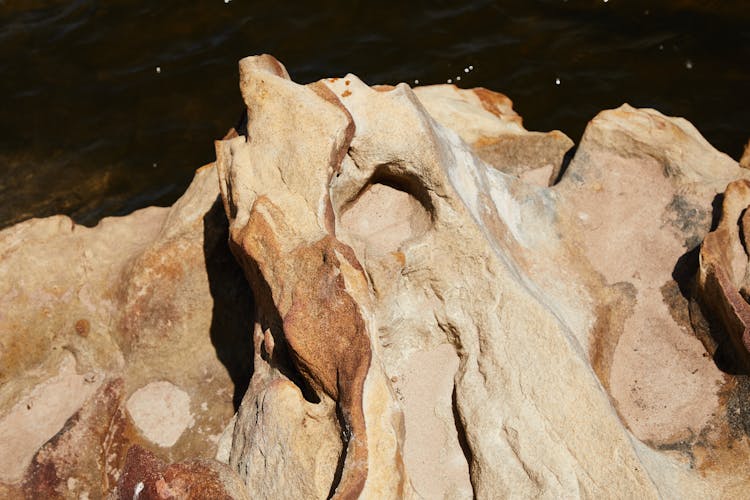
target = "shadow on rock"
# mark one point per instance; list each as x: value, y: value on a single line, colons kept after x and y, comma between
x: 706, y: 325
x: 232, y: 317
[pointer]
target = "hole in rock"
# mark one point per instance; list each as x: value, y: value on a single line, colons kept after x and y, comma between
x: 390, y: 210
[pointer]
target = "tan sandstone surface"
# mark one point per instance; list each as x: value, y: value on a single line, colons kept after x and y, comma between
x: 402, y: 293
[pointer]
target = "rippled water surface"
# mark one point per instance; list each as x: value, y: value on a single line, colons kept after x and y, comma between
x: 110, y: 106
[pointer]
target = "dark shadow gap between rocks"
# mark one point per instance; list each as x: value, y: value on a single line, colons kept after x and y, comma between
x: 338, y: 473
x: 232, y: 316
x: 461, y: 434
x: 243, y: 298
x: 567, y: 158
x: 716, y: 211
x: 685, y: 271
x: 706, y: 326
x: 268, y: 318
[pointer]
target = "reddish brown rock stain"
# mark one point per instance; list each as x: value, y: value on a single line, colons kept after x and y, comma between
x: 154, y: 479
x: 400, y: 257
x: 496, y: 103
x: 82, y: 327
x: 89, y: 448
x: 322, y: 325
x: 617, y: 306
x: 337, y: 154
x: 147, y: 292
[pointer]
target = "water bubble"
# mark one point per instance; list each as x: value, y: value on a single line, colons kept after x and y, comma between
x: 450, y: 81
x: 227, y: 1
x: 153, y: 165
x: 458, y: 78
x: 557, y: 81
x: 471, y: 68
x: 661, y: 47
x: 416, y: 82
x: 466, y: 70
x: 689, y: 64
x: 158, y: 69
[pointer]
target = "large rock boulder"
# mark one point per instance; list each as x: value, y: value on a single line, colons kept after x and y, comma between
x: 444, y: 305
x: 466, y: 331
x: 136, y: 331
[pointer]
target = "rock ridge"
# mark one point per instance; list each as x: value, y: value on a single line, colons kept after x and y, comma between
x: 391, y: 292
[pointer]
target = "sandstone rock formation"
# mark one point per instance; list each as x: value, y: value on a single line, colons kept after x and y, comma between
x: 455, y: 261
x: 126, y: 333
x: 723, y: 279
x: 444, y: 305
x: 745, y: 160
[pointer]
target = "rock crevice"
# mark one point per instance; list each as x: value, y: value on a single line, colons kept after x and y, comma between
x: 387, y: 292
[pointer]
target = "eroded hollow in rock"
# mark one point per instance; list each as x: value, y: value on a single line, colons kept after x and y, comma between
x: 388, y: 212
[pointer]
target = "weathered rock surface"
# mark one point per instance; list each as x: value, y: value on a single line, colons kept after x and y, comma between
x: 724, y: 276
x: 127, y: 333
x: 145, y: 476
x: 444, y: 305
x: 520, y: 340
x: 745, y: 160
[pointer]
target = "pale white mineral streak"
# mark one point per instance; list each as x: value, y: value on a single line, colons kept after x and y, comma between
x: 528, y: 325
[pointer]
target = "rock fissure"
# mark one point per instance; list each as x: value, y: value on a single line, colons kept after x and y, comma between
x: 387, y: 292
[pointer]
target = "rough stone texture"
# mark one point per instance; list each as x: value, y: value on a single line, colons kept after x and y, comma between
x: 745, y: 160
x: 485, y: 120
x: 161, y: 412
x: 724, y: 277
x: 151, y: 298
x: 445, y: 305
x: 84, y: 459
x: 145, y: 476
x: 521, y: 340
x: 284, y: 238
x: 640, y: 191
x: 37, y: 418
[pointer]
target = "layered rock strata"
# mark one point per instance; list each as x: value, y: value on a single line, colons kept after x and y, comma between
x: 723, y: 278
x: 562, y: 311
x: 444, y: 305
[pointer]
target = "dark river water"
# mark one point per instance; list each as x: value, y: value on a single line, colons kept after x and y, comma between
x: 110, y: 106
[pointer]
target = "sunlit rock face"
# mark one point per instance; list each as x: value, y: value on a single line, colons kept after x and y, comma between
x: 115, y: 336
x: 745, y: 160
x: 443, y: 305
x: 447, y: 308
